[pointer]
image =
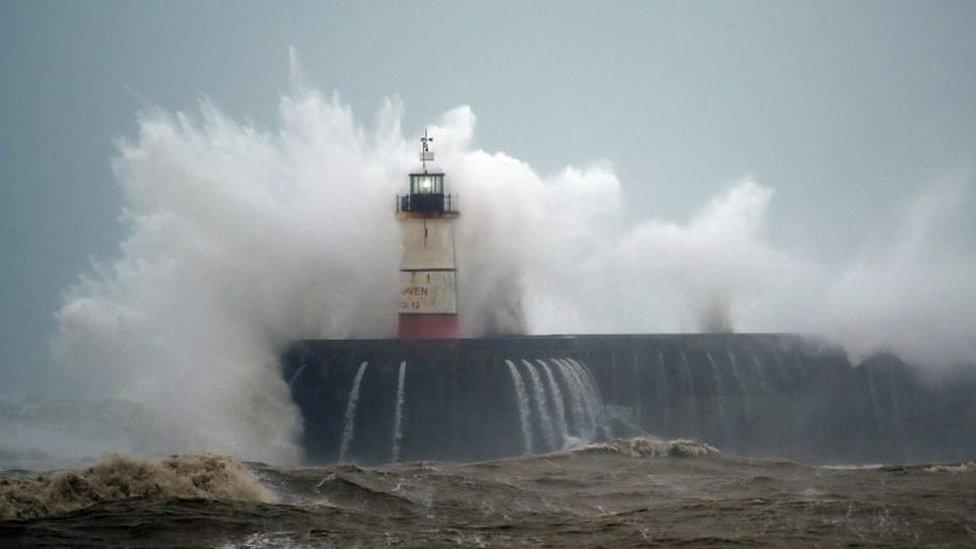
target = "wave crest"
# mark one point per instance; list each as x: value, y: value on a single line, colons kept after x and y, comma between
x: 119, y: 477
x: 643, y: 447
x: 962, y: 467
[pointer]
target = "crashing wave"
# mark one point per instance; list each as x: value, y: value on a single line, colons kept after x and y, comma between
x: 119, y: 477
x: 643, y: 447
x: 964, y: 467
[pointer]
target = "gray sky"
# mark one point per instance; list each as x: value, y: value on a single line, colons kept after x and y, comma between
x: 844, y: 108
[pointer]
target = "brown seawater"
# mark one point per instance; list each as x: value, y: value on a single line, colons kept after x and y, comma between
x: 627, y: 492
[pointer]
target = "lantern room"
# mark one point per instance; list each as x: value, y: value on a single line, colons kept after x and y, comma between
x: 426, y: 194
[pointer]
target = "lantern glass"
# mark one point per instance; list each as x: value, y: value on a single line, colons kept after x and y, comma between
x: 427, y: 184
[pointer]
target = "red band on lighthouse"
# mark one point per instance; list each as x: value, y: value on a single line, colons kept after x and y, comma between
x: 430, y: 326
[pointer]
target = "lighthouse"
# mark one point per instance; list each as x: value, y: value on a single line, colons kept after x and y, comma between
x: 428, y: 273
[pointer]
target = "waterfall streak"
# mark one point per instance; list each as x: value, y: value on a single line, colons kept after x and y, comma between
x: 575, y: 395
x: 591, y: 397
x: 350, y: 423
x: 896, y: 417
x: 589, y: 384
x: 780, y: 370
x: 664, y: 391
x: 297, y: 373
x: 802, y: 375
x: 522, y: 400
x: 720, y: 400
x: 398, y: 418
x: 736, y: 375
x: 541, y: 404
x: 690, y: 391
x: 759, y: 371
x: 873, y: 392
x: 740, y: 384
x: 559, y: 407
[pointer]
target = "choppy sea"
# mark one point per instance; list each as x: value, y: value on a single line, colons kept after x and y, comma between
x: 626, y: 492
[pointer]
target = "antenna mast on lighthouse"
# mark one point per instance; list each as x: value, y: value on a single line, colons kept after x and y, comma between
x: 428, y: 274
x: 426, y: 155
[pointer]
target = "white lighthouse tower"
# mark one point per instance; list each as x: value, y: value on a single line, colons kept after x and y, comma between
x: 428, y: 273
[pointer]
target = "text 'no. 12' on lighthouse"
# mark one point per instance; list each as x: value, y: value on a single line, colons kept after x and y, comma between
x: 428, y: 273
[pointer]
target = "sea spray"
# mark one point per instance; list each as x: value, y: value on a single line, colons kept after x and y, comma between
x: 522, y: 401
x: 349, y: 426
x: 234, y: 247
x: 398, y: 418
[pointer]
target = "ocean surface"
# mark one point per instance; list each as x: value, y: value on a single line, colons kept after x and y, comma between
x: 626, y: 492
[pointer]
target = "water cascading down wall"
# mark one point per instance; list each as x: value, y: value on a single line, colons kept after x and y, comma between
x: 377, y: 401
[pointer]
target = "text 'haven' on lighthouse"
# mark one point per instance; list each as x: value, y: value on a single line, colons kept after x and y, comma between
x: 428, y: 274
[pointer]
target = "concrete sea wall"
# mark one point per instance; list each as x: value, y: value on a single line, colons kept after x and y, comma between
x: 752, y: 394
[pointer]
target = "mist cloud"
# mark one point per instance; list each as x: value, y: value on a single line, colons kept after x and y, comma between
x: 240, y: 240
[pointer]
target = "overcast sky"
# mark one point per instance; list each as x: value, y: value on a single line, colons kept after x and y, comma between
x: 845, y: 109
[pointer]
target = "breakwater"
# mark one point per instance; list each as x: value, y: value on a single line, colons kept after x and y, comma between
x: 376, y: 401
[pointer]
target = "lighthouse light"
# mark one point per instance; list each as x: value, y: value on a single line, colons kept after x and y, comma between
x: 427, y: 183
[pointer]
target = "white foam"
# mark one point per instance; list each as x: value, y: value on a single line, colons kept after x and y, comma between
x: 240, y: 239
